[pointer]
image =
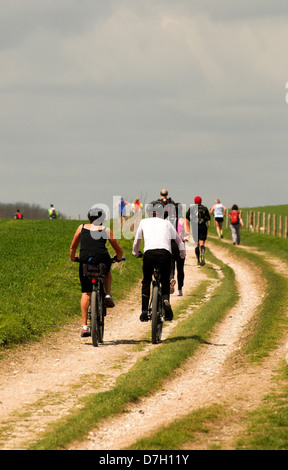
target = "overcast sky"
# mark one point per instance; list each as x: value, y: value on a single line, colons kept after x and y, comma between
x: 123, y: 97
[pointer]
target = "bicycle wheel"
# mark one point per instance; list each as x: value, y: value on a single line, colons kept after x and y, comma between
x: 101, y: 313
x: 157, y: 321
x: 94, y: 322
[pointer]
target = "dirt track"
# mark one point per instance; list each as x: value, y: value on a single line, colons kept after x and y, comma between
x: 46, y: 379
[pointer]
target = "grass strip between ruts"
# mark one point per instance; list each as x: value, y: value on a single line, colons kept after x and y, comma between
x: 270, y: 323
x: 147, y: 375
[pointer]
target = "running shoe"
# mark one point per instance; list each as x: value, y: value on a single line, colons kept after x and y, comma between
x: 172, y: 284
x: 144, y: 316
x: 85, y: 332
x: 109, y: 302
x: 168, y: 310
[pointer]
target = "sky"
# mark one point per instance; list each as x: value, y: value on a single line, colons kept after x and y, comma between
x: 109, y: 98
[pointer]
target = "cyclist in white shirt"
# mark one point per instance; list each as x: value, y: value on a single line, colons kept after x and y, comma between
x: 157, y: 234
x: 219, y: 214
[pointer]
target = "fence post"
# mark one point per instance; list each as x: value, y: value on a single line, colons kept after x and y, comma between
x: 247, y: 220
x: 280, y: 226
x: 274, y: 225
x: 258, y: 223
x: 264, y: 223
x: 286, y: 228
x: 269, y: 224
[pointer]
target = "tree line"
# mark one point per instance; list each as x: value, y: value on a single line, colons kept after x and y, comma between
x: 29, y: 211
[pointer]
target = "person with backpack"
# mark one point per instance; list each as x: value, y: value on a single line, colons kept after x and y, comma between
x: 52, y: 212
x: 236, y: 223
x: 18, y: 215
x: 198, y: 216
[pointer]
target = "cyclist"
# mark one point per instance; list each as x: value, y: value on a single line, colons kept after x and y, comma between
x: 219, y: 214
x: 157, y: 233
x: 92, y: 238
x: 199, y: 217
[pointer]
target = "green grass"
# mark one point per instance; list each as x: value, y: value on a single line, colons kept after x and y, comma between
x: 268, y: 326
x: 182, y: 431
x: 39, y: 286
x: 267, y: 427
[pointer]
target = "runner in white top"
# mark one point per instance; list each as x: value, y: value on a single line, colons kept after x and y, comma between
x: 219, y: 214
x: 157, y: 234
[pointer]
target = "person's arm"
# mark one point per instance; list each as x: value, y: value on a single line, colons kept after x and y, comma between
x: 137, y: 240
x: 175, y: 236
x: 75, y: 243
x: 115, y: 245
x: 212, y: 209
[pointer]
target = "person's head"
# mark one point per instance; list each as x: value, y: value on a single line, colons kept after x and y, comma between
x: 137, y: 199
x: 197, y: 200
x: 164, y: 193
x: 96, y: 214
x: 235, y: 207
x: 217, y: 201
x: 156, y: 209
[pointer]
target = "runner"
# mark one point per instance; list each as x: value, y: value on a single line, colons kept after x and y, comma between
x: 92, y: 238
x: 219, y: 214
x: 52, y: 212
x: 18, y: 215
x: 236, y: 223
x: 199, y: 217
x: 157, y: 234
x: 177, y: 260
x: 137, y: 205
x: 122, y: 209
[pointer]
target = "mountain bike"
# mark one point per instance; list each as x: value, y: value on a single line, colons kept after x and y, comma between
x: 156, y: 311
x: 97, y: 310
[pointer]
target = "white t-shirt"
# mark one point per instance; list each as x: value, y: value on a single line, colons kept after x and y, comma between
x: 157, y: 234
x: 218, y: 210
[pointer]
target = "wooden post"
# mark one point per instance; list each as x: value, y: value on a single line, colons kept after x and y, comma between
x: 258, y: 223
x: 274, y: 225
x: 247, y: 219
x: 264, y: 223
x: 280, y: 226
x: 286, y: 228
x: 251, y: 222
x: 269, y: 224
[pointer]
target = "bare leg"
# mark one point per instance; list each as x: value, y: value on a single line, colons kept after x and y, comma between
x: 85, y: 302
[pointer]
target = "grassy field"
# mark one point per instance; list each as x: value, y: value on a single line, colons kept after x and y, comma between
x: 39, y: 286
x: 39, y: 291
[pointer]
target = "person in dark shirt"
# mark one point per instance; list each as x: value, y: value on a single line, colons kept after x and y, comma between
x: 92, y: 238
x: 198, y: 216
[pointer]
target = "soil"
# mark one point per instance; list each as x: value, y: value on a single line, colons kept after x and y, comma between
x: 43, y: 381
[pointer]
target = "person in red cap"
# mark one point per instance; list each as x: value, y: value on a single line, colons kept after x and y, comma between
x: 199, y: 217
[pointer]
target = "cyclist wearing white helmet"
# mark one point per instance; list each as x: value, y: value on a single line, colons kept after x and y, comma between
x: 92, y: 238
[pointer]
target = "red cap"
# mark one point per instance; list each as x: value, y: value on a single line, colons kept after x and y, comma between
x: 198, y: 200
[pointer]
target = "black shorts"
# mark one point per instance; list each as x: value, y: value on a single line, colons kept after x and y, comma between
x: 219, y: 219
x: 86, y: 283
x: 201, y: 233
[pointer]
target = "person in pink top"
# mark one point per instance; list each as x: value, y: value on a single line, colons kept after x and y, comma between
x: 178, y: 261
